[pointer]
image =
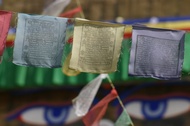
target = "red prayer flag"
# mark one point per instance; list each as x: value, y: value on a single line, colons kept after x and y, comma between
x: 93, y: 117
x: 5, y: 18
x: 71, y: 13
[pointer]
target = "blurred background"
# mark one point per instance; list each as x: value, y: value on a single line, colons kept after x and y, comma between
x: 109, y: 9
x: 28, y: 94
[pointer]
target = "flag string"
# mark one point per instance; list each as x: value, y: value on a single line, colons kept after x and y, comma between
x: 112, y: 85
x: 119, y: 99
x: 79, y: 5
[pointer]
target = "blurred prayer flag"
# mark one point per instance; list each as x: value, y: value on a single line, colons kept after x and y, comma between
x: 56, y: 7
x: 86, y: 96
x: 124, y: 119
x: 5, y: 18
x: 93, y: 117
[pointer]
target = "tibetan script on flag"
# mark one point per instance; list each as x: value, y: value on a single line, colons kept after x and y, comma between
x: 39, y: 41
x: 96, y: 46
x: 156, y: 53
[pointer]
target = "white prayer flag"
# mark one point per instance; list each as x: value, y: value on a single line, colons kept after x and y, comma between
x: 56, y: 7
x: 85, y: 98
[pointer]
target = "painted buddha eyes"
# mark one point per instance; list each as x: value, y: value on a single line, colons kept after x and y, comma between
x: 151, y: 109
x: 45, y: 115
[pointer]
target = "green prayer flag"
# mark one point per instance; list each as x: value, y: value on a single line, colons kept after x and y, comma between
x: 124, y: 120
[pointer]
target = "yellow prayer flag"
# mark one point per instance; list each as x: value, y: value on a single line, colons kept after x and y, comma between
x: 96, y: 46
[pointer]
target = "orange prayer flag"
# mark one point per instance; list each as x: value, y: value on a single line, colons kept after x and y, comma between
x: 5, y: 18
x: 93, y: 117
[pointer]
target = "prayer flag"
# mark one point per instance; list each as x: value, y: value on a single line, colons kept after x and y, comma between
x: 156, y: 53
x: 5, y: 18
x: 70, y: 31
x: 69, y: 39
x: 124, y: 119
x: 96, y: 46
x: 55, y: 8
x: 39, y: 41
x: 93, y: 117
x: 65, y: 68
x: 71, y: 13
x: 85, y: 98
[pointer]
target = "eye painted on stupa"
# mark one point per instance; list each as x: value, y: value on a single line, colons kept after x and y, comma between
x: 45, y: 114
x: 149, y: 108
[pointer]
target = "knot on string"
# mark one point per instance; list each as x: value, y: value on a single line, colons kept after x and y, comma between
x: 114, y: 92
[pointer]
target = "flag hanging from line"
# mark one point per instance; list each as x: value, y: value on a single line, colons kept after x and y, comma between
x: 93, y: 117
x: 56, y: 7
x: 156, y: 53
x: 67, y: 51
x: 5, y: 19
x: 124, y: 119
x: 65, y: 68
x: 71, y: 13
x: 96, y: 46
x: 39, y: 41
x: 70, y: 31
x: 86, y: 96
